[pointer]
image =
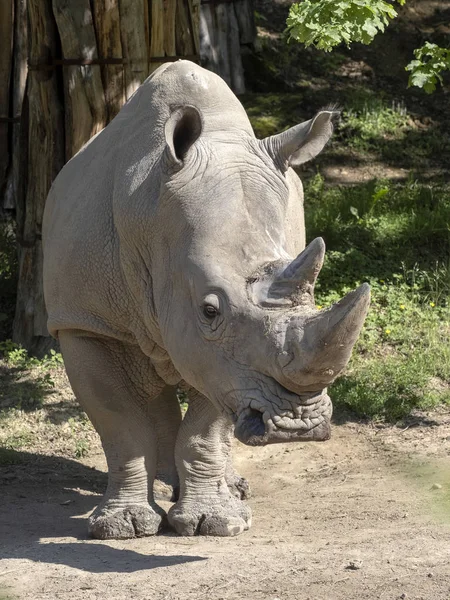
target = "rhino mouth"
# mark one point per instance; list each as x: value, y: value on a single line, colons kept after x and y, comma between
x: 309, y: 420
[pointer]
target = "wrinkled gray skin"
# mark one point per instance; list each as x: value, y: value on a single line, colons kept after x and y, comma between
x: 169, y: 260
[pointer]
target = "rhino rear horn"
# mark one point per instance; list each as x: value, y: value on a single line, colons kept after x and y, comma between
x: 300, y: 276
x: 182, y: 130
x: 303, y: 142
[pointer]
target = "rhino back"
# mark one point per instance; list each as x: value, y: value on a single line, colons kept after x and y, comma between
x: 88, y: 206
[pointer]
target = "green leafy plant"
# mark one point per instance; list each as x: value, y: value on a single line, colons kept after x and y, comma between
x: 426, y: 69
x: 327, y: 23
x: 30, y: 391
x: 365, y: 127
x: 82, y: 448
x: 53, y: 360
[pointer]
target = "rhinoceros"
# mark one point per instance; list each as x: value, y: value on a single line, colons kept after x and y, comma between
x: 174, y: 259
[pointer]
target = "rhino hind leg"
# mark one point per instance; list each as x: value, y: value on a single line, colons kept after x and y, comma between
x: 113, y: 383
x: 206, y: 505
x: 165, y: 413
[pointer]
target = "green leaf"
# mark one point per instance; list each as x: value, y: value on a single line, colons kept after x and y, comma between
x: 426, y: 70
x: 333, y: 23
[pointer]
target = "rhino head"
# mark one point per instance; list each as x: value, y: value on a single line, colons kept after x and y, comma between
x: 233, y: 288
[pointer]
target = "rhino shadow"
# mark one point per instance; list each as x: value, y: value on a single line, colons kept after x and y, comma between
x: 48, y: 497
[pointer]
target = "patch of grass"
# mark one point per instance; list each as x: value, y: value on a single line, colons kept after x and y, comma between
x: 377, y: 227
x: 396, y: 237
x: 80, y: 426
x: 18, y: 440
x: 371, y: 124
x: 17, y: 388
x: 82, y: 448
x: 272, y: 113
x: 364, y: 126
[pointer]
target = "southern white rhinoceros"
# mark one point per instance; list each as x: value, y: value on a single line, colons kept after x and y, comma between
x: 171, y: 258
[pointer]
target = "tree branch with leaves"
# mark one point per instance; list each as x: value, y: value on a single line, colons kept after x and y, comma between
x: 326, y: 24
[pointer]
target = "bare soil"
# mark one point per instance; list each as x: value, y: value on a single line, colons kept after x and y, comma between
x: 365, y: 515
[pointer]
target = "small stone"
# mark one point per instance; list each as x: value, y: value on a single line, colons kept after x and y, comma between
x: 403, y: 596
x: 436, y: 486
x: 354, y: 565
x: 430, y: 575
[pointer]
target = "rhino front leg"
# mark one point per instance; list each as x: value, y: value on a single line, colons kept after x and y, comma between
x: 206, y: 506
x: 113, y: 383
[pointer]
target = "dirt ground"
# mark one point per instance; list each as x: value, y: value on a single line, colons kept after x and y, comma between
x: 365, y: 515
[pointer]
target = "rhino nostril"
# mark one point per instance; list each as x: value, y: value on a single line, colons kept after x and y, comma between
x: 254, y: 422
x: 250, y: 423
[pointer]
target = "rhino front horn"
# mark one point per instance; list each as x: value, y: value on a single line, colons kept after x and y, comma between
x: 327, y: 341
x: 299, y: 277
x: 333, y: 332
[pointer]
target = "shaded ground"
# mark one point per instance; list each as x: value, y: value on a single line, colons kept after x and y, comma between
x: 365, y: 515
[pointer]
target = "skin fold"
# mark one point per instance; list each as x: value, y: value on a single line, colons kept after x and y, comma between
x: 174, y: 257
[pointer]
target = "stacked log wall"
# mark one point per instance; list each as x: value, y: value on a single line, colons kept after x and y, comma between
x: 66, y: 69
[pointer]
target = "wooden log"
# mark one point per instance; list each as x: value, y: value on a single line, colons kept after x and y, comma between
x: 208, y: 43
x: 194, y: 10
x: 184, y: 37
x: 170, y: 10
x: 134, y: 43
x: 224, y: 27
x: 15, y: 185
x: 84, y: 100
x: 156, y: 32
x: 237, y: 82
x: 246, y: 21
x: 107, y: 27
x: 6, y: 46
x: 45, y: 159
x: 222, y: 24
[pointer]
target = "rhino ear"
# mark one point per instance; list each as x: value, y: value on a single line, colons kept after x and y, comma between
x: 182, y: 129
x: 303, y: 142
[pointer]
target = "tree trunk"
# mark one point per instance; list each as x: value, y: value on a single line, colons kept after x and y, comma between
x: 45, y: 159
x: 225, y: 29
x: 6, y: 35
x: 84, y: 101
x: 107, y: 25
x: 134, y: 29
x: 16, y: 182
x: 86, y: 59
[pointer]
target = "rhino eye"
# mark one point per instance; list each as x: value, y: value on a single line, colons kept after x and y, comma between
x: 211, y: 306
x: 210, y: 311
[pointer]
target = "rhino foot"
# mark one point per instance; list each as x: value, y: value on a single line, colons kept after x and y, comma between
x: 134, y: 520
x: 226, y: 516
